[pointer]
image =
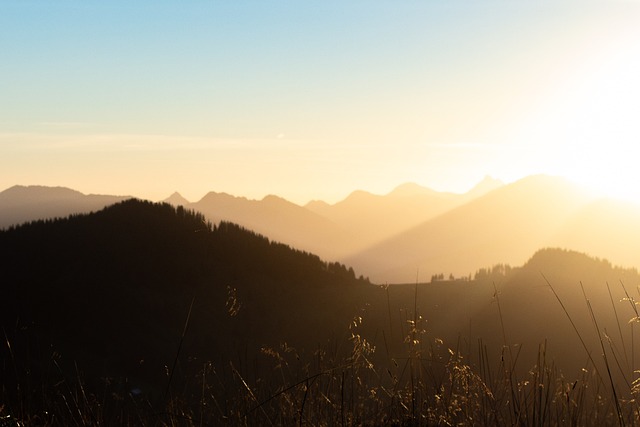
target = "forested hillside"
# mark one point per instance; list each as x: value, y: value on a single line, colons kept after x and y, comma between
x: 111, y: 291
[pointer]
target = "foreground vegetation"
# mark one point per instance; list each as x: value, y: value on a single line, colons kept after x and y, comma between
x: 352, y: 382
x: 143, y: 314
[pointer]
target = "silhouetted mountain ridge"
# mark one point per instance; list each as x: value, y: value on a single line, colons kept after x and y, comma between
x: 176, y: 199
x: 412, y: 229
x: 105, y: 287
x: 331, y: 231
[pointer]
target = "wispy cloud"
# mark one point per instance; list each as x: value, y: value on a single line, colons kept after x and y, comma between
x: 462, y: 145
x: 65, y: 126
x: 90, y: 142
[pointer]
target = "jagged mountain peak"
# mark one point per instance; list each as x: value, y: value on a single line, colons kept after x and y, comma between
x: 410, y: 189
x: 487, y: 184
x: 176, y: 199
x: 272, y: 198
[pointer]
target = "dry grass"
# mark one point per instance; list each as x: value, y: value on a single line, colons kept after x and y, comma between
x: 354, y: 382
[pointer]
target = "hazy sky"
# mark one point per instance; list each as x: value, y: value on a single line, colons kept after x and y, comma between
x: 311, y: 100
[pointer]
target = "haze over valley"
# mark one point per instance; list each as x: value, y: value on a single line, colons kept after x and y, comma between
x: 411, y: 233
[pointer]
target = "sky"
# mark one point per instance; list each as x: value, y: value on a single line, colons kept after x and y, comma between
x: 312, y: 100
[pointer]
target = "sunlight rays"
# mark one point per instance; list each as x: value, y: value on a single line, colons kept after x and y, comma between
x: 587, y: 128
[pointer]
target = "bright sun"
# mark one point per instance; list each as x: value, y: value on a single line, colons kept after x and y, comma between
x: 611, y: 117
x: 607, y: 121
x: 589, y: 129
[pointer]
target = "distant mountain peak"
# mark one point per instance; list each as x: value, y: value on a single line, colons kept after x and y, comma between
x: 215, y: 196
x: 487, y: 184
x: 488, y: 180
x: 359, y: 193
x: 176, y: 199
x: 274, y: 201
x: 40, y: 191
x: 409, y: 189
x: 360, y: 196
x: 20, y: 204
x: 317, y: 204
x: 273, y: 198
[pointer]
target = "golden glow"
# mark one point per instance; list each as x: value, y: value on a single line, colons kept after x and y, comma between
x: 587, y: 128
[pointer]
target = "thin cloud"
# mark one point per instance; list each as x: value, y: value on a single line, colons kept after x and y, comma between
x: 26, y: 141
x: 65, y: 125
x: 462, y: 145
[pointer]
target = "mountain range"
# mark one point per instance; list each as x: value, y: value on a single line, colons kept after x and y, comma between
x: 503, y: 226
x: 410, y: 232
x: 331, y: 231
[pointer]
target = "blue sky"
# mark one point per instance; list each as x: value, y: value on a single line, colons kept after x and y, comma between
x: 314, y: 100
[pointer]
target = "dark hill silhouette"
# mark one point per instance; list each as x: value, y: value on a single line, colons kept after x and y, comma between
x: 112, y: 289
x: 20, y: 204
x: 532, y: 314
x: 520, y: 302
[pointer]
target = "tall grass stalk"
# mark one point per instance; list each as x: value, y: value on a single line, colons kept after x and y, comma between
x: 175, y: 359
x: 573, y: 325
x: 605, y: 358
x: 349, y: 382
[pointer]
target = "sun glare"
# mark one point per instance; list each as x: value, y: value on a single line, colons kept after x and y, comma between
x: 587, y: 129
x: 606, y: 117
